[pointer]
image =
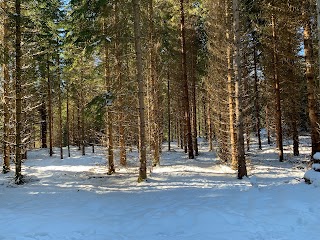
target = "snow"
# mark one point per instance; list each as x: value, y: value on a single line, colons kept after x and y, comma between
x: 316, y: 166
x: 316, y: 156
x: 186, y: 199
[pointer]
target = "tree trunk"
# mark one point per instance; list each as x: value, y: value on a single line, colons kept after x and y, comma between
x: 44, y: 127
x: 256, y: 98
x: 194, y: 105
x: 242, y: 169
x: 18, y: 91
x: 68, y: 121
x: 277, y: 93
x: 295, y: 138
x: 318, y: 32
x: 119, y: 74
x: 310, y: 77
x: 154, y: 91
x: 60, y: 108
x: 6, y: 98
x: 49, y: 107
x: 169, y: 110
x: 82, y: 114
x: 233, y: 136
x: 210, y: 134
x: 139, y: 62
x: 186, y: 104
x: 268, y: 124
x: 109, y: 126
x: 78, y: 123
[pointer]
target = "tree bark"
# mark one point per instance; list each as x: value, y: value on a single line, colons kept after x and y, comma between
x: 194, y: 104
x: 139, y: 65
x: 310, y: 78
x: 44, y: 127
x: 256, y: 99
x: 49, y: 107
x: 242, y: 169
x: 109, y: 126
x: 68, y: 121
x: 154, y: 91
x: 277, y: 93
x: 6, y: 86
x: 232, y: 132
x: 169, y: 110
x: 60, y: 107
x: 18, y: 91
x: 185, y: 84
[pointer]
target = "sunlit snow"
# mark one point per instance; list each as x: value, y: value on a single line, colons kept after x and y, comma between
x: 185, y: 199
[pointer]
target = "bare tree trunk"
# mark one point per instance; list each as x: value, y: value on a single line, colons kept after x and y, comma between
x: 256, y: 99
x: 242, y: 169
x: 268, y: 124
x: 310, y: 77
x: 60, y: 108
x: 78, y: 123
x: 169, y: 110
x: 154, y: 91
x: 205, y: 114
x: 109, y: 126
x: 44, y: 127
x: 49, y: 107
x: 233, y: 136
x: 119, y: 74
x: 142, y: 130
x: 318, y: 32
x: 210, y: 134
x: 194, y: 106
x: 277, y: 93
x: 6, y: 85
x: 68, y: 121
x: 295, y: 138
x: 18, y: 91
x: 185, y: 84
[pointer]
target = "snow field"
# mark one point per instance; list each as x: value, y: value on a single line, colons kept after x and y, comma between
x: 182, y: 199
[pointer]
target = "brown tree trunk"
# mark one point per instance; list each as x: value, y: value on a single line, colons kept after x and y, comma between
x: 268, y: 124
x: 6, y: 85
x: 169, y: 110
x: 60, y: 108
x: 310, y: 77
x: 257, y: 98
x: 233, y: 136
x: 68, y: 121
x: 242, y: 169
x: 109, y: 126
x: 142, y: 131
x: 119, y: 79
x: 154, y: 91
x: 186, y: 103
x: 49, y: 108
x: 277, y: 93
x: 18, y: 91
x: 194, y: 105
x: 44, y: 127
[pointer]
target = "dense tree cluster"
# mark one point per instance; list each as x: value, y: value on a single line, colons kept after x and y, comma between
x: 136, y: 73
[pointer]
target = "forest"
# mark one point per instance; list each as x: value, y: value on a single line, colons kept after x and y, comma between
x: 136, y: 73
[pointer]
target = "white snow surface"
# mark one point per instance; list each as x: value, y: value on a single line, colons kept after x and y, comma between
x: 316, y: 156
x: 184, y: 199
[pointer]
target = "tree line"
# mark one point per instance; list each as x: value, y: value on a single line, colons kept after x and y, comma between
x: 138, y: 72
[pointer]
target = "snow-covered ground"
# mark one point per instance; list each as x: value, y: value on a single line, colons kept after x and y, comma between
x: 182, y: 199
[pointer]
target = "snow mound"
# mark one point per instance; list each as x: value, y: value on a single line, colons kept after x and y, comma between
x: 313, y: 177
x: 316, y: 156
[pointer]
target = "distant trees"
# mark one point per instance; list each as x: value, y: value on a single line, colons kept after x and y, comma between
x: 223, y: 70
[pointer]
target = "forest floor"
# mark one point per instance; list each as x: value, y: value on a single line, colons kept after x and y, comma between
x: 185, y: 199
